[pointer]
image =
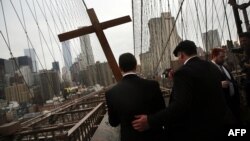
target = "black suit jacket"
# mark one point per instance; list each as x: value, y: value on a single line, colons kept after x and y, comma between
x: 232, y: 101
x: 197, y: 108
x: 134, y: 96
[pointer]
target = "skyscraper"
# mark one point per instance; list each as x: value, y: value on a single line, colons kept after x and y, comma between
x: 213, y: 40
x: 25, y: 61
x: 160, y: 29
x: 86, y: 57
x: 55, y: 66
x: 11, y: 65
x: 50, y: 84
x: 98, y: 73
x: 67, y: 54
x: 31, y: 53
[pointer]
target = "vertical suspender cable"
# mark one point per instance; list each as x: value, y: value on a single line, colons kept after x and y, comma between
x: 133, y: 14
x: 225, y: 10
x: 206, y: 30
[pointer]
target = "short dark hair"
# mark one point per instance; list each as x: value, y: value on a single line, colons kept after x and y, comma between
x: 245, y: 34
x: 127, y: 62
x: 187, y: 46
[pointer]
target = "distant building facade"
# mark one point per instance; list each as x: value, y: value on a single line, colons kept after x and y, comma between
x: 50, y: 84
x: 26, y: 75
x: 25, y: 61
x: 18, y: 70
x: 75, y: 70
x: 2, y: 78
x: 67, y: 54
x: 160, y: 43
x: 211, y: 39
x: 146, y: 64
x: 99, y: 73
x: 31, y: 53
x: 55, y: 66
x: 66, y: 75
x: 19, y: 93
x: 11, y: 65
x: 86, y: 56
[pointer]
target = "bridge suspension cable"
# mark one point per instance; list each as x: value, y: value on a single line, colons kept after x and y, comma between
x: 161, y: 56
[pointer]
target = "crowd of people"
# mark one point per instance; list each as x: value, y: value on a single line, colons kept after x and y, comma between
x: 205, y: 99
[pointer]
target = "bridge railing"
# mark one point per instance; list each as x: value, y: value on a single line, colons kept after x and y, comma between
x: 75, y: 104
x: 85, y: 128
x: 71, y: 131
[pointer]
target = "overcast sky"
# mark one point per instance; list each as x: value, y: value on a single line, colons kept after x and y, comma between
x: 70, y: 14
x: 119, y: 37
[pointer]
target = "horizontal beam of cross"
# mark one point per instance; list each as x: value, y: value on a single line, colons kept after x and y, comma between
x: 90, y: 29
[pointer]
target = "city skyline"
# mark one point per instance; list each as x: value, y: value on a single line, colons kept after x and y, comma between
x: 116, y: 35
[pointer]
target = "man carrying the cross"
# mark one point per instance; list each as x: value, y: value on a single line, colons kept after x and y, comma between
x: 133, y: 96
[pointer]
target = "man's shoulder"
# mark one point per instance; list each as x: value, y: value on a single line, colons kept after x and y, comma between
x: 194, y: 66
x: 150, y: 82
x: 120, y: 85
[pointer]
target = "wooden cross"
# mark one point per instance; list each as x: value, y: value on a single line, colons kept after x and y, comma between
x: 98, y: 28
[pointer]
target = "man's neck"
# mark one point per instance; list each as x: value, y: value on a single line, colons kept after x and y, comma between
x: 188, y: 58
x: 213, y: 61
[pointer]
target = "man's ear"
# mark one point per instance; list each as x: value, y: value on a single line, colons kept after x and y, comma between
x: 182, y: 55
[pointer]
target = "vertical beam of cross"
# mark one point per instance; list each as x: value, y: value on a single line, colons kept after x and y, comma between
x: 105, y: 45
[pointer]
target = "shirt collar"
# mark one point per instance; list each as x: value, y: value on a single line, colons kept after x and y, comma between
x: 189, y: 59
x: 222, y: 67
x: 216, y: 64
x: 129, y: 73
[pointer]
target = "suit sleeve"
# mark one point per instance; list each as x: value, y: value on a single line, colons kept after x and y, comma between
x: 113, y: 117
x: 180, y: 102
x: 158, y: 99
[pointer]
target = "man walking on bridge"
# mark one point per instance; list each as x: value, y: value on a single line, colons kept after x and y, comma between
x: 197, y: 109
x: 134, y: 96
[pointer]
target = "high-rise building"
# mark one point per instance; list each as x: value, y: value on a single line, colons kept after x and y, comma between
x: 67, y: 54
x: 66, y: 75
x: 14, y: 66
x: 86, y: 57
x: 161, y: 43
x: 55, y: 66
x: 26, y: 75
x: 31, y: 53
x: 99, y: 73
x: 18, y: 92
x: 50, y: 84
x: 104, y: 74
x: 75, y: 70
x: 37, y: 92
x: 146, y: 64
x: 2, y: 78
x: 25, y: 61
x: 11, y: 65
x: 211, y: 39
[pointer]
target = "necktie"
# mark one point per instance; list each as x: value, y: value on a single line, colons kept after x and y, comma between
x: 231, y: 86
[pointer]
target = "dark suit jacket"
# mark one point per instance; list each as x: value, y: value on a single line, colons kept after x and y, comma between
x: 197, y: 108
x: 232, y: 101
x: 134, y: 96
